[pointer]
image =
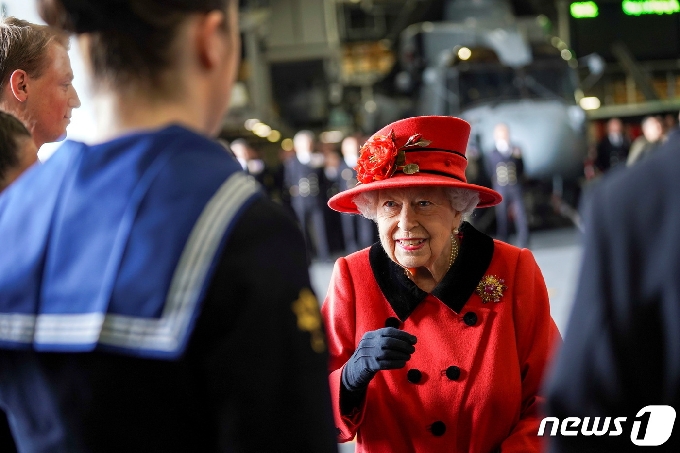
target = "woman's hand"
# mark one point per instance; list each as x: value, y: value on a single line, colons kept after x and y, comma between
x: 383, y: 349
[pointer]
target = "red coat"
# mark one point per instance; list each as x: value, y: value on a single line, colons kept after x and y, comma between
x: 479, y: 365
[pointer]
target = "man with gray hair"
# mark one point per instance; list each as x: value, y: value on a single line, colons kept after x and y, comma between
x: 36, y: 78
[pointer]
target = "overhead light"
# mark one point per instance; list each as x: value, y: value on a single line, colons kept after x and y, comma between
x: 558, y: 43
x: 581, y: 10
x: 589, y: 103
x: 543, y: 21
x: 274, y: 136
x: 640, y: 7
x: 464, y: 53
x: 261, y: 130
x: 332, y: 137
x: 566, y: 54
x: 287, y: 144
x: 250, y: 123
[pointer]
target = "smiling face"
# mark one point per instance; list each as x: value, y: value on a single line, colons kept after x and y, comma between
x: 415, y: 227
x: 51, y: 98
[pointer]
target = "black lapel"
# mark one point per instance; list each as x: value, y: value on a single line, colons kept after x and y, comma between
x: 476, y: 251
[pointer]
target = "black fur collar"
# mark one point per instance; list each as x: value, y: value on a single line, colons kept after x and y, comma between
x: 476, y: 251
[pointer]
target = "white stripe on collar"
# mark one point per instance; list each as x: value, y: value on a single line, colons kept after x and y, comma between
x: 167, y: 333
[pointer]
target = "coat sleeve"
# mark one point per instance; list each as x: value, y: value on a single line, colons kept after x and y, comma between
x: 536, y: 336
x: 339, y: 315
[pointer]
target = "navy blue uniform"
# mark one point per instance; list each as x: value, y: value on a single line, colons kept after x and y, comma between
x: 161, y: 309
x: 610, y: 155
x: 505, y: 173
x: 304, y: 184
x: 621, y: 350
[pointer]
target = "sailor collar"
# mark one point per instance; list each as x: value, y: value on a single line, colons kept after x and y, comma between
x: 459, y: 283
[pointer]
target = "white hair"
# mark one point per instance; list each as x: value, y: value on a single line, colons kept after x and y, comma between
x: 462, y: 200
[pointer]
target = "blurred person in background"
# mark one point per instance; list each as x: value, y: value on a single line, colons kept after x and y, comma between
x: 330, y: 185
x: 651, y: 139
x: 670, y: 123
x: 36, y: 78
x: 17, y: 149
x: 674, y: 133
x: 613, y: 149
x: 303, y: 177
x: 151, y: 297
x: 505, y: 168
x: 242, y: 152
x: 252, y: 163
x: 358, y: 231
x: 439, y: 335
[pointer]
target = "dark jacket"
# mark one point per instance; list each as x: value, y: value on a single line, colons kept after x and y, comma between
x: 504, y: 170
x: 245, y: 370
x: 610, y: 155
x: 621, y: 351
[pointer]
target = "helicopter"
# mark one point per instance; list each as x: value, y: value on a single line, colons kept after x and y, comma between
x: 487, y: 66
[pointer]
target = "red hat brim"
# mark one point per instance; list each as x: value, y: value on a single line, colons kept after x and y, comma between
x: 343, y: 202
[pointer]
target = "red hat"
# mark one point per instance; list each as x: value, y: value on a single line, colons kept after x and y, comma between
x: 414, y: 152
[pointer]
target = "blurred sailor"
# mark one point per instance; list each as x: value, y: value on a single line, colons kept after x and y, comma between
x: 651, y: 139
x: 303, y: 175
x: 505, y: 168
x: 613, y: 148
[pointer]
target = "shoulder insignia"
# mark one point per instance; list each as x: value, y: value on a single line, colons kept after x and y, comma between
x: 306, y: 308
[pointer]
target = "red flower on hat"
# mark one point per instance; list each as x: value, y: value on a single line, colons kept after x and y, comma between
x: 379, y: 157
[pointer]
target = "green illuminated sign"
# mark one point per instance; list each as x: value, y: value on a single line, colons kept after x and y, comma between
x: 581, y: 10
x: 640, y: 7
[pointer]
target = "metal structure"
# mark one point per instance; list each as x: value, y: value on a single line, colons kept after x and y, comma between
x: 488, y: 67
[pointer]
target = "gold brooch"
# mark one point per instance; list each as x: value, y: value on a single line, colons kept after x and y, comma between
x: 306, y: 308
x: 490, y: 288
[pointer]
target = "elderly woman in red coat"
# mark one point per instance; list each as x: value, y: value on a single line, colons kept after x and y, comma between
x: 439, y: 335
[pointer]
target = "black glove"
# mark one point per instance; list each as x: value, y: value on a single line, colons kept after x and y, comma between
x: 383, y: 349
